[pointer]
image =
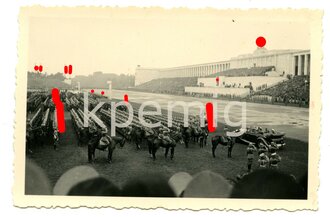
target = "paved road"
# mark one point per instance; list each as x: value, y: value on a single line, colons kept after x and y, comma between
x: 291, y: 120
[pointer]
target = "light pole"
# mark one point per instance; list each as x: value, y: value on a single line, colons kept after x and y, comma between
x: 110, y: 89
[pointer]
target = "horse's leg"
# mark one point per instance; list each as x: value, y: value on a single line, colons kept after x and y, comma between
x: 140, y: 143
x: 172, y: 153
x: 93, y: 154
x: 137, y: 144
x: 229, y: 151
x: 166, y: 151
x: 150, y: 149
x: 110, y: 150
x: 213, y: 149
x: 90, y: 154
x: 154, y: 150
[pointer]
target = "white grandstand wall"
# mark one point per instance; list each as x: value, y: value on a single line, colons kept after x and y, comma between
x: 243, y: 80
x: 211, y: 82
x: 285, y: 62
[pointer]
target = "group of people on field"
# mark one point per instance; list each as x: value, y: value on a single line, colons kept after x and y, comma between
x: 267, y: 156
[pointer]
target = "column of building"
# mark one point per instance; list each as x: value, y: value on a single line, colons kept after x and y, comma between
x: 305, y: 65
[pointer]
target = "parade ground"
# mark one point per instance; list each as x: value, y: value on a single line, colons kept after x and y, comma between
x: 129, y: 162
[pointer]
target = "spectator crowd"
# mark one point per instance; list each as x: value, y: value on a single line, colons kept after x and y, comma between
x: 292, y: 91
x: 263, y: 183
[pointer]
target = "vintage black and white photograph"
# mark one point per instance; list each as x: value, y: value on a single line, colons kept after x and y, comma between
x: 155, y: 103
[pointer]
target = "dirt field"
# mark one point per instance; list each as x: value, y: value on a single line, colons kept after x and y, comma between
x: 129, y: 162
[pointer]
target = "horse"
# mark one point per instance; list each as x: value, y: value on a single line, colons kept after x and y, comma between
x: 36, y: 137
x: 112, y: 142
x: 137, y: 135
x: 186, y: 133
x: 223, y: 140
x: 175, y: 137
x: 198, y: 135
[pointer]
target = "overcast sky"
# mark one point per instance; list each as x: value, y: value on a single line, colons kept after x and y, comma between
x: 117, y: 40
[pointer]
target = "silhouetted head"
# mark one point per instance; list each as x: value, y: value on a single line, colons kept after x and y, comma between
x: 303, y: 181
x: 98, y: 186
x: 267, y: 184
x: 148, y: 185
x: 208, y: 184
x: 36, y: 181
x: 72, y: 177
x: 179, y: 181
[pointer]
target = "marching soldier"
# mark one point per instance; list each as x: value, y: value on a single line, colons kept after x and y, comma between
x: 262, y: 149
x: 263, y: 160
x: 272, y: 148
x: 231, y: 143
x: 93, y: 138
x: 250, y: 155
x: 274, y: 160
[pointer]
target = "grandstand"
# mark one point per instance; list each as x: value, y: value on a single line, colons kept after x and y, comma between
x: 237, y: 82
x: 253, y: 71
x: 293, y: 91
x: 264, y: 75
x: 167, y: 85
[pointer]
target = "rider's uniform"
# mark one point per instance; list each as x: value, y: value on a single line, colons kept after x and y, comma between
x: 129, y: 130
x: 105, y: 141
x: 167, y: 138
x: 148, y: 131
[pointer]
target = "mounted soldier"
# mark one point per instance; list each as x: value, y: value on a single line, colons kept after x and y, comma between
x: 103, y: 143
x: 105, y: 140
x: 166, y: 138
x: 128, y: 132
